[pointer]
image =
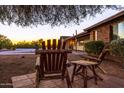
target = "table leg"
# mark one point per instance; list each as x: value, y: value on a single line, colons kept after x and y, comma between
x: 94, y: 73
x: 85, y: 76
x: 73, y: 74
x: 78, y: 69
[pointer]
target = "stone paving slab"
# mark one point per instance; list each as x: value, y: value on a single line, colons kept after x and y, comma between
x: 28, y: 81
x: 18, y: 78
x: 24, y: 81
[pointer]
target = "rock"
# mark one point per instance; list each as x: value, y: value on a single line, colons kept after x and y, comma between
x: 23, y: 57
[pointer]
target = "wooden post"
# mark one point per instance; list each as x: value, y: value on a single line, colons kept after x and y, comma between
x: 76, y: 40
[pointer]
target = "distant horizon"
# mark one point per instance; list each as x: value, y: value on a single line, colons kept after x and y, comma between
x: 18, y: 33
x: 16, y: 41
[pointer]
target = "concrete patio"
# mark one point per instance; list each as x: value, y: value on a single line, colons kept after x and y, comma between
x: 28, y: 81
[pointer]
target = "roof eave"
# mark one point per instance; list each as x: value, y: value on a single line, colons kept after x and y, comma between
x: 105, y: 20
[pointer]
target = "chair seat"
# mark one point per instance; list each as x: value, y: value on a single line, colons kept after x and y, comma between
x: 84, y: 62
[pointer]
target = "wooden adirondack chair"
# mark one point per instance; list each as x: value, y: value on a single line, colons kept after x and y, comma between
x: 100, y: 58
x: 51, y: 62
x: 89, y: 62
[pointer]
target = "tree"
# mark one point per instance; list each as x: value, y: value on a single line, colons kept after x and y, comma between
x: 5, y: 42
x: 28, y: 15
x: 39, y: 42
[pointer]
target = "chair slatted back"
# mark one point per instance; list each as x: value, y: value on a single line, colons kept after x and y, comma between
x: 103, y: 53
x: 53, y: 62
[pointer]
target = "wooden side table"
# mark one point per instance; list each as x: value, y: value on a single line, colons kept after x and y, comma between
x: 84, y: 65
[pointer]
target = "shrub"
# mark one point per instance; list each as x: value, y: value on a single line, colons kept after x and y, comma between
x: 94, y: 47
x: 117, y: 47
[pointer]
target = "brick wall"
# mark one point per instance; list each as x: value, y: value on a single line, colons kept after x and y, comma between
x: 103, y: 31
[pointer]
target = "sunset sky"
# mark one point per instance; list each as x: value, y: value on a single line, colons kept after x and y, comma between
x: 16, y: 33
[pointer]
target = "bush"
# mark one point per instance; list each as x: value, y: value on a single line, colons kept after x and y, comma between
x: 94, y: 47
x: 117, y: 47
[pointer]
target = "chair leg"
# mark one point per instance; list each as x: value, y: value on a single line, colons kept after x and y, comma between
x: 90, y: 67
x: 101, y: 69
x: 73, y: 74
x: 62, y: 77
x: 68, y: 79
x: 99, y: 76
x: 63, y: 73
x: 37, y: 80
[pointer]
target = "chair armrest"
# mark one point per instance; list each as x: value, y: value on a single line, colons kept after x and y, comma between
x: 94, y: 59
x: 37, y: 61
x: 68, y: 64
x: 91, y: 58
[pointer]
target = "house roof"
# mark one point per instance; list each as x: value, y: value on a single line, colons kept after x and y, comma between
x: 78, y: 35
x: 86, y: 32
x: 106, y: 20
x: 64, y: 37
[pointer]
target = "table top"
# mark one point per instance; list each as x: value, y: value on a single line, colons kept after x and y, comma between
x: 84, y: 62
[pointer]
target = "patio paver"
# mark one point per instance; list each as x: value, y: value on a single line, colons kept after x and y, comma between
x: 28, y: 81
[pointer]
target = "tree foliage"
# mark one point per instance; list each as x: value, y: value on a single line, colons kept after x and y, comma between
x: 5, y: 42
x: 31, y: 44
x: 28, y: 15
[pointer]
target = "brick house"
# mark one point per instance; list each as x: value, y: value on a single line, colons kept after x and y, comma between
x: 76, y: 42
x: 107, y: 30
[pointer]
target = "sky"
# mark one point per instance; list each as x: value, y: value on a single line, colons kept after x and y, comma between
x: 16, y: 33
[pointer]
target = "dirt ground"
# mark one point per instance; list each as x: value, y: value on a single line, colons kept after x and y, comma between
x: 15, y: 65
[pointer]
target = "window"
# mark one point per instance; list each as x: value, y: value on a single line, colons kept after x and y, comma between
x: 118, y: 31
x: 81, y: 43
x: 121, y: 30
x: 115, y: 32
x: 95, y: 35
